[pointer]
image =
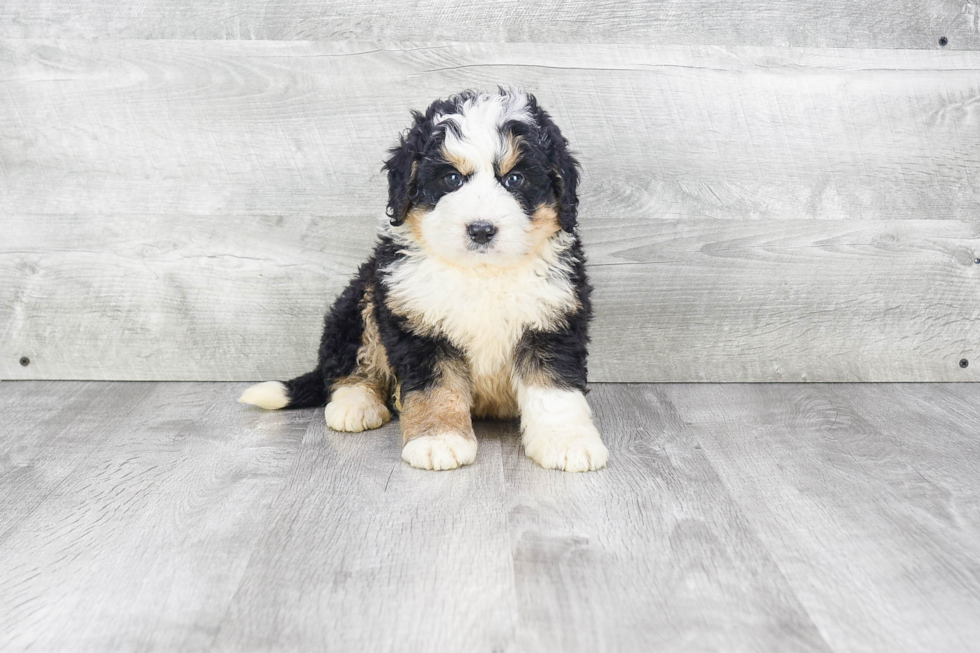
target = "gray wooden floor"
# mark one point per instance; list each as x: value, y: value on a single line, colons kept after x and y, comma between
x: 164, y: 516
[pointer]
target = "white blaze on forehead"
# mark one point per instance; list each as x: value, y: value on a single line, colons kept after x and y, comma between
x: 479, y: 121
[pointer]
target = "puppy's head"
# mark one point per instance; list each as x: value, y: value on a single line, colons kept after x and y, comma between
x: 482, y: 179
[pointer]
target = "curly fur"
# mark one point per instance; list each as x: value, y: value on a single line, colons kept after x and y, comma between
x: 475, y: 300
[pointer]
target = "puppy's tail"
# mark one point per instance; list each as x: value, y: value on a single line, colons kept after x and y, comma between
x: 304, y: 391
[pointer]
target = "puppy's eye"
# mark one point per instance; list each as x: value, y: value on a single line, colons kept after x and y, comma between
x: 514, y: 180
x: 453, y: 180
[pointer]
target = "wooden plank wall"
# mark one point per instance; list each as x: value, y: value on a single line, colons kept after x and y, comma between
x: 773, y: 191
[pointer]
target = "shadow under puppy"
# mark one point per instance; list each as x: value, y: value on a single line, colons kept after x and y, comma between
x: 475, y: 301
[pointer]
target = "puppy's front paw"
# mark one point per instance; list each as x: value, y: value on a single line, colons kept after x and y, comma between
x: 571, y: 449
x: 442, y: 451
x: 354, y: 409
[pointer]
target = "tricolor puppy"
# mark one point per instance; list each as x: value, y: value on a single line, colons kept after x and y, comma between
x: 475, y: 301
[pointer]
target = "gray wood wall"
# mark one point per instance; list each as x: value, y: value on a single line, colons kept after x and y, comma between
x: 773, y: 191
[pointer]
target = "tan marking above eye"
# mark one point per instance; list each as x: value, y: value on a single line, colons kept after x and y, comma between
x: 510, y: 156
x: 464, y: 166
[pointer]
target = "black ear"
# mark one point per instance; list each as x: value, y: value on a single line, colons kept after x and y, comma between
x: 402, y: 166
x: 564, y: 167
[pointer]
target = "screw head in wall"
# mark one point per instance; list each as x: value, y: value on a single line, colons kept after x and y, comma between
x: 943, y: 41
x: 25, y: 361
x: 964, y: 363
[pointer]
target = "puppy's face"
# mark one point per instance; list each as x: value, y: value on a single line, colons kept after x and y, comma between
x: 482, y: 179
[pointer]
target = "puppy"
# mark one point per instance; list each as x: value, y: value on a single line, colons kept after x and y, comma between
x: 475, y: 301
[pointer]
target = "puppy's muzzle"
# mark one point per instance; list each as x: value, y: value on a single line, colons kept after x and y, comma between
x: 481, y: 232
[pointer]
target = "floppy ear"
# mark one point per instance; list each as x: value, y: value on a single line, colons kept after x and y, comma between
x: 402, y: 166
x: 563, y: 167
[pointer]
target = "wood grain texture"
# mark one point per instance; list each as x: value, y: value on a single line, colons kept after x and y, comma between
x: 835, y: 23
x: 682, y: 300
x: 49, y: 431
x: 786, y: 300
x: 833, y: 479
x: 187, y: 210
x: 139, y: 534
x: 651, y: 555
x: 367, y: 553
x: 782, y: 517
x: 219, y: 128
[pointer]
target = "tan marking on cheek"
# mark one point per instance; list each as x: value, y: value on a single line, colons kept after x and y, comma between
x: 544, y: 226
x: 510, y: 156
x: 464, y: 166
x: 414, y: 222
x: 442, y: 408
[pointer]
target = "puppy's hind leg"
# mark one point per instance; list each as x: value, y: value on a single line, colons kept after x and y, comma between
x: 355, y: 408
x: 358, y: 402
x: 343, y: 332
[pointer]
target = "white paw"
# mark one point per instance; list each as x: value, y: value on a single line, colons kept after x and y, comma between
x: 354, y: 409
x: 571, y: 449
x: 442, y: 451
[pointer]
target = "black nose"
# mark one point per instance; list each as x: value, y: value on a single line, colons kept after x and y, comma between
x: 481, y: 232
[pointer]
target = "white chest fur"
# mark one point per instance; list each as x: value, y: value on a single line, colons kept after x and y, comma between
x: 483, y: 311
